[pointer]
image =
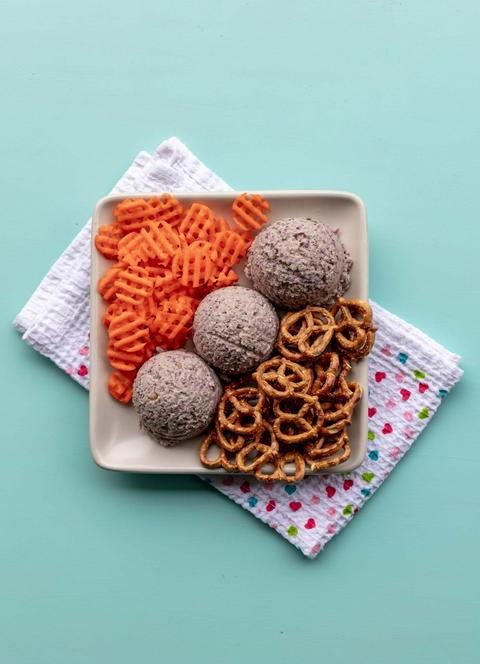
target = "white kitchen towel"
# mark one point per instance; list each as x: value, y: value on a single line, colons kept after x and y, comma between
x: 409, y: 374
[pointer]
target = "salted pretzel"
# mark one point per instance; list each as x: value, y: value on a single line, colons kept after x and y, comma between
x: 249, y: 211
x: 330, y: 461
x: 279, y: 377
x: 305, y: 334
x: 297, y: 419
x: 235, y: 412
x: 354, y: 330
x: 297, y: 459
x: 326, y: 445
x: 257, y: 454
x: 325, y: 368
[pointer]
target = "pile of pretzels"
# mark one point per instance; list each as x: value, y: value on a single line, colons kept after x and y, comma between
x: 294, y: 411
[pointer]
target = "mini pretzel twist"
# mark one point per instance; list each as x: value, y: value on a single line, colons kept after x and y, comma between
x: 297, y: 419
x: 279, y: 377
x: 305, y: 334
x: 236, y: 414
x: 354, y: 331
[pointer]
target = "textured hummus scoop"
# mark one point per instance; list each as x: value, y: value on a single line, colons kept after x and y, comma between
x: 175, y: 395
x: 299, y: 261
x: 235, y: 329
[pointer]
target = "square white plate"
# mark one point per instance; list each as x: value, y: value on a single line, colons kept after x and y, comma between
x: 116, y: 441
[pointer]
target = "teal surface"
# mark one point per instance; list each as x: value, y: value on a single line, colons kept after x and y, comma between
x: 377, y: 97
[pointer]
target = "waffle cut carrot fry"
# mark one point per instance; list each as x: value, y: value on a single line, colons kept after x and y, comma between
x: 230, y: 247
x: 107, y: 284
x: 249, y: 211
x: 120, y: 385
x: 194, y: 266
x: 166, y: 208
x: 219, y: 225
x: 174, y: 320
x: 226, y: 277
x: 132, y: 214
x: 133, y: 285
x: 197, y: 223
x: 106, y: 240
x: 128, y: 331
x: 161, y: 241
x: 114, y: 309
x: 123, y: 361
x: 131, y: 249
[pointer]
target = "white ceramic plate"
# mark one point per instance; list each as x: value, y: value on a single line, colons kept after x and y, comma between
x: 116, y: 440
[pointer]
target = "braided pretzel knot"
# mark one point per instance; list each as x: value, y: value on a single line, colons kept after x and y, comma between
x: 354, y: 331
x: 297, y: 418
x: 249, y: 211
x: 305, y: 334
x: 279, y: 377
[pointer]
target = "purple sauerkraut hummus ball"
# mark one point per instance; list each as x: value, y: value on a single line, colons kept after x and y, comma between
x: 175, y: 395
x: 235, y: 329
x: 299, y: 261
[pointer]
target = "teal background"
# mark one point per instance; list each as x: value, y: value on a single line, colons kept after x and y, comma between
x: 377, y: 97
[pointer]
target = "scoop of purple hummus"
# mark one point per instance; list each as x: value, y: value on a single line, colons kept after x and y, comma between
x: 299, y: 261
x: 175, y: 395
x: 235, y: 329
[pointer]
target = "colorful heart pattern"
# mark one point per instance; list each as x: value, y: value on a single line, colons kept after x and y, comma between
x: 307, y: 513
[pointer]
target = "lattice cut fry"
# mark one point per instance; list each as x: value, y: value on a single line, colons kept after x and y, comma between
x: 123, y: 361
x: 132, y: 250
x: 120, y: 384
x: 106, y: 240
x: 133, y: 285
x: 230, y: 247
x: 194, y: 266
x: 114, y: 309
x: 227, y: 277
x: 198, y: 223
x: 166, y: 208
x: 220, y: 225
x: 161, y: 241
x: 132, y: 214
x: 128, y: 331
x: 249, y: 211
x: 173, y: 322
x: 107, y: 284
